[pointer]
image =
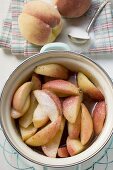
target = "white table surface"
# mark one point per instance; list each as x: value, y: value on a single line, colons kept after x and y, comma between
x: 8, y: 62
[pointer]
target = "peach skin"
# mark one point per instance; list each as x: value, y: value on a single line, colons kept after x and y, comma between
x: 27, y: 118
x: 74, y: 128
x: 52, y: 70
x: 51, y: 148
x: 73, y: 8
x: 20, y: 100
x: 40, y: 23
x: 71, y: 108
x: 99, y: 115
x: 88, y: 87
x: 26, y: 105
x: 44, y: 135
x: 63, y: 152
x: 61, y: 88
x: 26, y: 133
x: 86, y: 125
x: 74, y: 146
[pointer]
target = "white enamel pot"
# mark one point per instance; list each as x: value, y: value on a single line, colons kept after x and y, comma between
x: 58, y: 53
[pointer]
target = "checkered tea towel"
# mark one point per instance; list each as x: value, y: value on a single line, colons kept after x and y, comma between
x: 101, y: 33
x: 11, y: 36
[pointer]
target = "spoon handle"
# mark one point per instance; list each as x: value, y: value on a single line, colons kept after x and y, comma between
x: 96, y: 14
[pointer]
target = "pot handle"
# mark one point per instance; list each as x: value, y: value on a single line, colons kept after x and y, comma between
x: 56, y: 46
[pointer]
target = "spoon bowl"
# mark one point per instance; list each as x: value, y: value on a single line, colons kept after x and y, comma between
x: 80, y: 36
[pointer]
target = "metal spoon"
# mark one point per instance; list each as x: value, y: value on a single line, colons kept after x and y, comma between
x: 81, y: 36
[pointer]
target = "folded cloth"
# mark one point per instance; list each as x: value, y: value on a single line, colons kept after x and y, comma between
x: 101, y: 33
x: 5, y: 37
x: 19, y: 46
x: 11, y: 37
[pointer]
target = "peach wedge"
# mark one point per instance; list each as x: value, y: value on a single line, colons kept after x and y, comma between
x: 99, y: 114
x: 15, y: 114
x: 51, y: 148
x: 40, y: 116
x: 74, y: 128
x: 88, y: 87
x: 56, y: 100
x: 74, y: 146
x: 27, y: 132
x: 86, y: 125
x: 21, y: 96
x: 46, y: 100
x: 61, y: 88
x: 71, y: 107
x: 44, y: 135
x: 26, y: 119
x: 63, y: 152
x: 52, y: 70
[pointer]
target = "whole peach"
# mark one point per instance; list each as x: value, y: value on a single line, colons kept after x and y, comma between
x: 72, y: 8
x: 40, y: 22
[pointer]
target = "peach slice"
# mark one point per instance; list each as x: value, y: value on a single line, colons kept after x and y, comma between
x: 99, y: 115
x: 61, y: 88
x: 86, y: 125
x: 26, y: 105
x: 20, y: 97
x: 51, y: 148
x: 45, y: 99
x: 63, y: 152
x: 26, y: 133
x: 74, y: 128
x: 56, y: 100
x: 74, y: 146
x: 71, y: 107
x: 88, y: 87
x: 36, y: 82
x: 52, y: 70
x: 15, y: 114
x: 26, y: 119
x: 40, y: 116
x: 44, y: 135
